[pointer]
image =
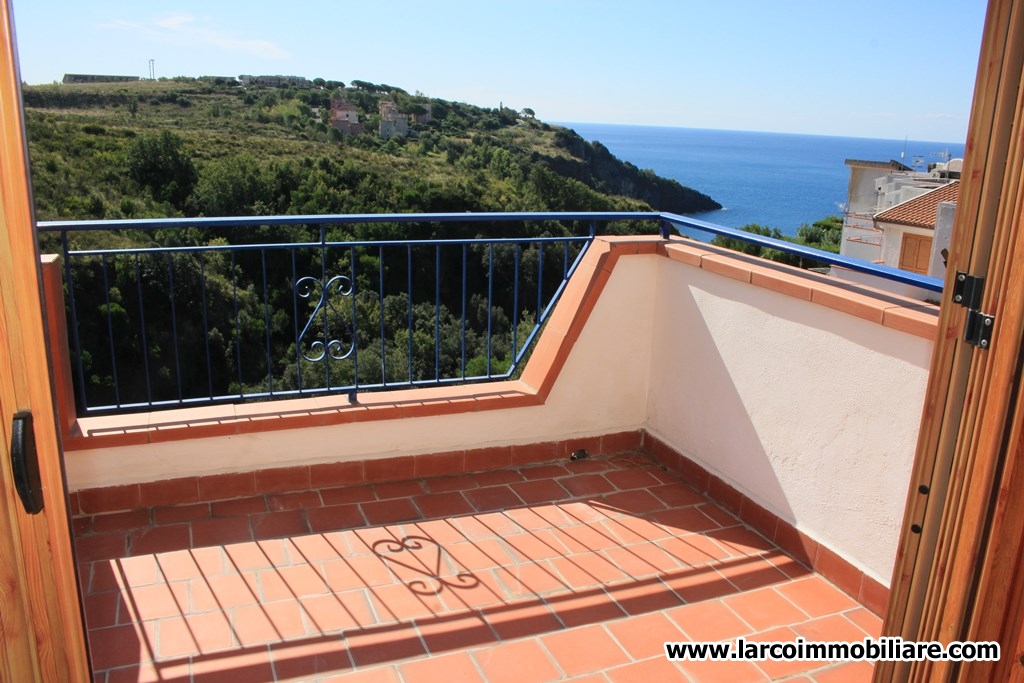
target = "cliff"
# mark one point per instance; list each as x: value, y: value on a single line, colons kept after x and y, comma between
x: 592, y: 164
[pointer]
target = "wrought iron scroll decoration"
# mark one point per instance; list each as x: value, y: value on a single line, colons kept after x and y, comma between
x: 435, y: 577
x: 325, y: 346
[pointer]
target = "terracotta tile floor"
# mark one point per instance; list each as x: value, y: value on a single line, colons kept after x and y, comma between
x: 577, y: 571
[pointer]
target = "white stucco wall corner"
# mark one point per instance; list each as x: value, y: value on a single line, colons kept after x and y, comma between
x: 810, y: 412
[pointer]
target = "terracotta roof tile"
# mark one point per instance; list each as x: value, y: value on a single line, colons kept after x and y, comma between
x: 921, y: 210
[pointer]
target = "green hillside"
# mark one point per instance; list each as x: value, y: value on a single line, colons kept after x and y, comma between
x: 209, y: 146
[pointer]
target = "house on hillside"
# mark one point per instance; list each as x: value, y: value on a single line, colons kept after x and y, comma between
x: 872, y: 233
x: 422, y: 117
x: 345, y: 117
x: 860, y: 239
x: 393, y: 123
x: 915, y: 232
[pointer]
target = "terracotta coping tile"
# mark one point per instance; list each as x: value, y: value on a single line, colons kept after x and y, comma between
x: 343, y: 415
x: 648, y: 246
x: 684, y: 253
x: 727, y: 266
x: 921, y: 321
x: 228, y: 420
x: 112, y: 424
x: 580, y: 297
x: 380, y: 411
x: 335, y: 403
x: 547, y: 359
x: 175, y: 417
x: 852, y: 303
x: 179, y: 432
x: 100, y: 441
x: 785, y: 283
x: 891, y: 310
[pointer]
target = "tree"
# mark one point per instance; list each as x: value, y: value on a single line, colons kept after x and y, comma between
x: 161, y: 163
x: 825, y: 234
x: 748, y: 247
x: 233, y: 186
x: 529, y: 113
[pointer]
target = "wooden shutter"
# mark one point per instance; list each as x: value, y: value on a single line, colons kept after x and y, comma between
x: 916, y: 253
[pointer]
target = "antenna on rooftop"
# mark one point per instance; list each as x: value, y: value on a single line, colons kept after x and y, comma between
x: 152, y: 69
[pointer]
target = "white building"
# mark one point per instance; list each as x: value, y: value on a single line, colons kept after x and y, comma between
x: 911, y: 235
x: 899, y: 217
x: 392, y: 122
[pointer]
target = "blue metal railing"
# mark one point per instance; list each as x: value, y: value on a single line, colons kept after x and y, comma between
x: 225, y: 310
x: 671, y: 220
x: 257, y: 308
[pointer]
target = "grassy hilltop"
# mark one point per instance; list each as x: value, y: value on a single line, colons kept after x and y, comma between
x: 209, y: 146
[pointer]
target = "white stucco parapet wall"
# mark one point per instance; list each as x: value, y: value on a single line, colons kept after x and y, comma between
x: 810, y: 412
x: 602, y: 388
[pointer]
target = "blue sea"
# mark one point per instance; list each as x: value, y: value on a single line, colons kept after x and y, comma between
x: 778, y: 180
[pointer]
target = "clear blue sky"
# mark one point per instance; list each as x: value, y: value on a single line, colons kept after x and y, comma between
x: 870, y: 68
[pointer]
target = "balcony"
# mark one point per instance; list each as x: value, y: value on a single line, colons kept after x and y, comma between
x: 700, y: 446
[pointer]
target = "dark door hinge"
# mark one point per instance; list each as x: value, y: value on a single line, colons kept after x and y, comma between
x: 967, y: 291
x: 978, y: 329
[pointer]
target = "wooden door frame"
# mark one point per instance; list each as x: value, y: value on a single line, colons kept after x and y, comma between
x: 45, y: 640
x: 959, y: 549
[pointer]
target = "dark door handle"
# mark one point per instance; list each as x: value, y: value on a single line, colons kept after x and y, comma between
x: 25, y: 463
